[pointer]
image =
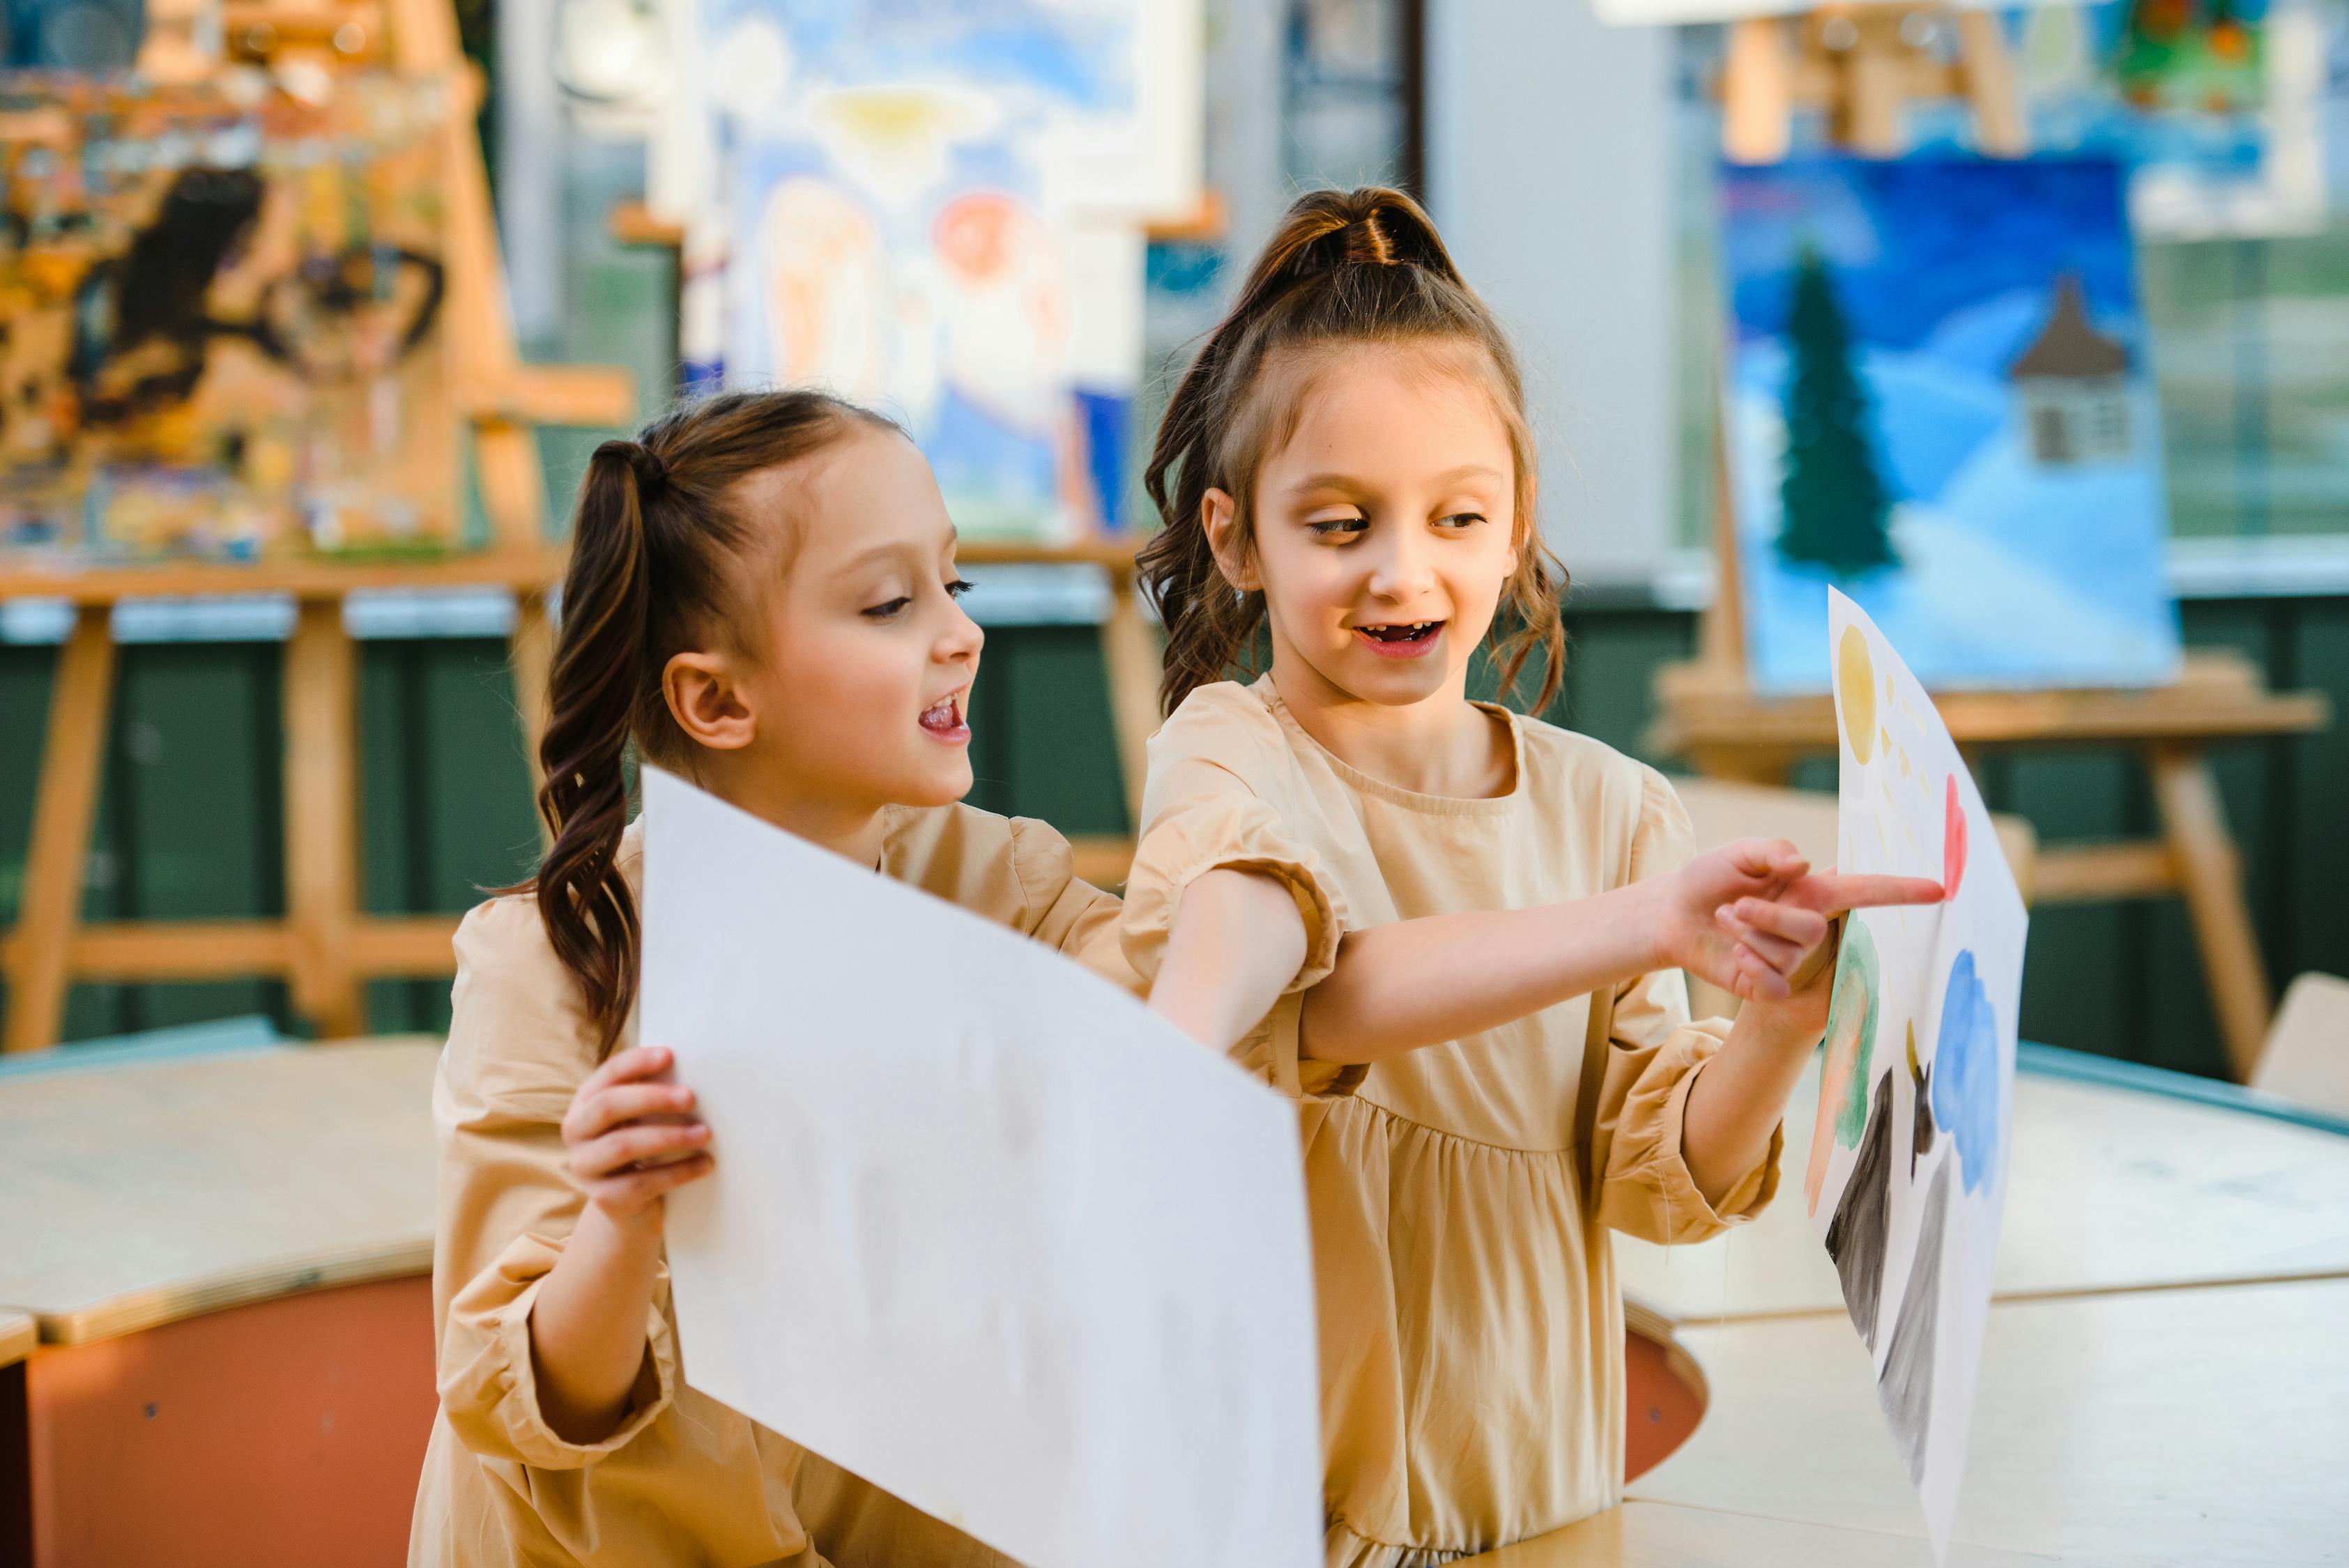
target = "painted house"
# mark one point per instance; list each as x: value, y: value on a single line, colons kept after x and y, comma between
x: 2072, y: 386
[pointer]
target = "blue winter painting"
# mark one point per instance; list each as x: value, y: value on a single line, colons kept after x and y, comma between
x: 1939, y: 401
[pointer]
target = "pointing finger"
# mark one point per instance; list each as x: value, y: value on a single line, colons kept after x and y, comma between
x: 1832, y: 894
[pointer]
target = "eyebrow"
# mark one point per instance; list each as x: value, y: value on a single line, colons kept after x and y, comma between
x: 900, y: 548
x: 1353, y: 486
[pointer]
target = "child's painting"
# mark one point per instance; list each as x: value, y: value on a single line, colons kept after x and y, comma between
x: 915, y: 209
x: 1938, y: 401
x: 1905, y: 1177
x: 219, y: 320
x: 2217, y: 107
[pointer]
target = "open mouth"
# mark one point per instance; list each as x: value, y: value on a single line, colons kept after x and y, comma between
x: 1400, y: 639
x: 944, y: 719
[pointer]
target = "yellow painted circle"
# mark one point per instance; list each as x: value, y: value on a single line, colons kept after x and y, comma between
x: 1855, y: 680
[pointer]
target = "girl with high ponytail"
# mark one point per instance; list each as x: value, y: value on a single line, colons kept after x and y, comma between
x: 1453, y: 932
x: 762, y: 598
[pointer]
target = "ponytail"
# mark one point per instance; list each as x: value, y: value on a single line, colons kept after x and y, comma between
x: 1345, y: 266
x: 590, y: 918
x: 661, y: 562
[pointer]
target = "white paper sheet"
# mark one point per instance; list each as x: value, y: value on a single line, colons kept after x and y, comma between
x: 1907, y: 1173
x: 982, y: 1229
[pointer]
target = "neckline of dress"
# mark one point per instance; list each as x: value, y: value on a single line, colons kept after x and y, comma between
x: 1395, y: 794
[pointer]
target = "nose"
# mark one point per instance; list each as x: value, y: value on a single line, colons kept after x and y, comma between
x: 1402, y: 568
x: 961, y: 639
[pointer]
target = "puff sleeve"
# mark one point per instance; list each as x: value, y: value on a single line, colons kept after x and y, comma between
x: 1200, y: 814
x: 1654, y: 1053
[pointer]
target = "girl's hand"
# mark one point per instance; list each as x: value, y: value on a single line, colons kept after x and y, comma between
x: 1755, y: 920
x: 633, y: 1139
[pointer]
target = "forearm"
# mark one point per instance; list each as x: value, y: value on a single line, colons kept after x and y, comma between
x: 1739, y: 1097
x: 587, y: 1324
x: 1417, y: 982
x: 1237, y: 943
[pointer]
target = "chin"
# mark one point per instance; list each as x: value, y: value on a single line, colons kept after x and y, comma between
x: 938, y: 786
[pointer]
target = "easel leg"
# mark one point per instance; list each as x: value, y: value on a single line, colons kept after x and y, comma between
x: 1757, y: 92
x: 65, y: 806
x: 2210, y: 871
x: 322, y: 819
x: 532, y: 654
x: 1131, y: 660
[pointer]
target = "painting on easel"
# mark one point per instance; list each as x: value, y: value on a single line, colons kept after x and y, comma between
x: 1938, y: 402
x: 219, y: 320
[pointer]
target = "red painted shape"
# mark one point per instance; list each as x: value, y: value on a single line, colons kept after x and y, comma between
x: 1953, y: 841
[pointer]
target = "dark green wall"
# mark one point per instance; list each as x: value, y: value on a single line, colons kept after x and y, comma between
x: 190, y: 823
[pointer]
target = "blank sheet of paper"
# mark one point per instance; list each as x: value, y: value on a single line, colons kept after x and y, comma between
x: 982, y: 1229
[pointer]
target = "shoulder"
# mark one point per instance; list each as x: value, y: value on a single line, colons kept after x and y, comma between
x: 518, y: 1027
x: 1007, y: 868
x: 1229, y: 726
x: 1595, y: 782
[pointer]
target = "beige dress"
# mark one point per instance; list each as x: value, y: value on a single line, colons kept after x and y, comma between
x: 1471, y: 1329
x: 684, y: 1480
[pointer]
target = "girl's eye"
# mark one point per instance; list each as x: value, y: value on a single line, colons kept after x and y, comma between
x: 1338, y: 527
x: 1460, y: 519
x: 960, y: 587
x: 889, y: 611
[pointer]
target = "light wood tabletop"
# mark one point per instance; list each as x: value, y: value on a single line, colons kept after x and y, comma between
x: 2201, y: 1426
x: 2108, y: 1189
x: 141, y: 1196
x: 18, y: 1334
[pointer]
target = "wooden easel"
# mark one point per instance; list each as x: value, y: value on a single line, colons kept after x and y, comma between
x: 325, y: 948
x: 1862, y: 64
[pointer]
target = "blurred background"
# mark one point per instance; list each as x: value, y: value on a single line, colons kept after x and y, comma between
x: 1576, y: 169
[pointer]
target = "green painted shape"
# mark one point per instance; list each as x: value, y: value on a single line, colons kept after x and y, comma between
x: 1859, y: 982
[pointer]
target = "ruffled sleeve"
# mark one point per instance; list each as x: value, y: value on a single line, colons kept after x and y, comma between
x: 1063, y: 911
x: 1654, y: 1054
x: 1199, y: 814
x: 517, y: 1052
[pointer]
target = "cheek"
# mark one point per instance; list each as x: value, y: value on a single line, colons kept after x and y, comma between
x: 842, y: 683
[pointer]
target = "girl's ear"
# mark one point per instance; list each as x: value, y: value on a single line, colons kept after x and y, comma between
x: 706, y: 703
x: 1219, y: 516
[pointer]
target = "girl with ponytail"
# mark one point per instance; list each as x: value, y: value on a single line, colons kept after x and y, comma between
x: 762, y: 598
x: 1453, y: 932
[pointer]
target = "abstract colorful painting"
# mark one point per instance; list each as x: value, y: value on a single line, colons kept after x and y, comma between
x: 1938, y: 401
x: 1905, y: 1177
x: 2217, y: 107
x: 219, y: 320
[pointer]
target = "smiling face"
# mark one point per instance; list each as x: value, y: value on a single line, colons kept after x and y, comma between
x: 862, y: 696
x: 1384, y: 528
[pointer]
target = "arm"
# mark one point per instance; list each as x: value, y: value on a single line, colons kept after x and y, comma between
x: 1235, y: 944
x: 1417, y: 982
x: 631, y: 1141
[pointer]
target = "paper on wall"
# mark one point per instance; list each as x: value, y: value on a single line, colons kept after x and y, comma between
x: 1907, y: 1173
x: 982, y: 1229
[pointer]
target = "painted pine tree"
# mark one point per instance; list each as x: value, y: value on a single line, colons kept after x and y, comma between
x: 1835, y: 505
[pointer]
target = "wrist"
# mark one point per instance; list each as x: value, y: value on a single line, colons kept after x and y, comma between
x: 1777, y: 1028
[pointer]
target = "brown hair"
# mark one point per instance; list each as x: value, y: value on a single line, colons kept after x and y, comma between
x: 661, y: 560
x: 1346, y: 266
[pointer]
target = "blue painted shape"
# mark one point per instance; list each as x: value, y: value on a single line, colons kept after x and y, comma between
x: 1108, y: 418
x: 1965, y: 1071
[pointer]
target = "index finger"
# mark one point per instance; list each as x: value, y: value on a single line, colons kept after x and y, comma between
x: 637, y: 1062
x: 1833, y: 895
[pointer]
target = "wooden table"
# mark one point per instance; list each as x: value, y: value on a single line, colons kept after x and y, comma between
x: 2180, y: 1193
x: 325, y: 947
x: 228, y: 1264
x: 1711, y: 715
x: 2161, y: 1380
